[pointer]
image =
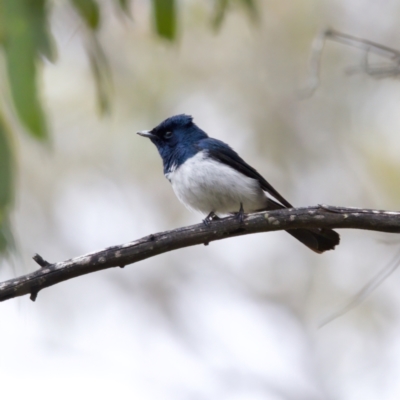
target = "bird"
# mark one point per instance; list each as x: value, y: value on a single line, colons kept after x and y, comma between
x: 209, y: 177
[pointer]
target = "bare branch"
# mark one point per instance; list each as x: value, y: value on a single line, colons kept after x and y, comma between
x: 362, y: 44
x: 314, y: 66
x: 365, y: 291
x: 118, y: 256
x: 386, y: 70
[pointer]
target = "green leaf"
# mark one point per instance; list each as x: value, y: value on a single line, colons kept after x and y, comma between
x: 251, y: 8
x: 89, y: 11
x: 220, y: 11
x: 43, y: 39
x: 21, y: 58
x: 101, y: 73
x: 6, y: 185
x: 124, y: 5
x: 6, y: 237
x: 6, y: 168
x: 165, y: 18
x: 221, y: 7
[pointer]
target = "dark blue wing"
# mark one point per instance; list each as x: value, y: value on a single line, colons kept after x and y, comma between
x: 221, y: 152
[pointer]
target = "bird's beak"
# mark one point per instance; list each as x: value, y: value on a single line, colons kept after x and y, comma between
x: 147, y: 134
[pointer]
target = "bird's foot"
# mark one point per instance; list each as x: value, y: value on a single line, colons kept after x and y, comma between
x: 210, y: 217
x: 240, y: 215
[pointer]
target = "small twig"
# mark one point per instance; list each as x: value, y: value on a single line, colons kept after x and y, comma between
x: 152, y: 245
x: 314, y: 66
x: 374, y: 70
x: 365, y: 291
x: 41, y: 261
x: 362, y: 44
x: 33, y: 295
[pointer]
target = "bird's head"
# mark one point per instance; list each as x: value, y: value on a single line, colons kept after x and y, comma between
x: 175, y: 133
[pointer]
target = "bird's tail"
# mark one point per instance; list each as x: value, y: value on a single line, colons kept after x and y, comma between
x: 318, y: 240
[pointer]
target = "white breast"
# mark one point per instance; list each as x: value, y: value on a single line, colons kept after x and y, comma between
x: 205, y: 185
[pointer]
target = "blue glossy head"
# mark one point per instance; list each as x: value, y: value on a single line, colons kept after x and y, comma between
x: 175, y: 139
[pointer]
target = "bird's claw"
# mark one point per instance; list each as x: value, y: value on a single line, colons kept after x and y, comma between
x: 210, y: 217
x: 240, y: 215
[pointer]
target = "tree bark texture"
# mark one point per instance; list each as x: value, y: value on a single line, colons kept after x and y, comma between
x: 320, y: 216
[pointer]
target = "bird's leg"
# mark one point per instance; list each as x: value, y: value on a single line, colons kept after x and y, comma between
x: 210, y: 217
x: 240, y: 214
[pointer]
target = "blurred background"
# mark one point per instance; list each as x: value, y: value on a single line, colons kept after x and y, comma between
x: 239, y: 319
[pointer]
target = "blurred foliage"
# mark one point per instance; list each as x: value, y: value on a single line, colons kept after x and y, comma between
x: 124, y: 5
x: 25, y: 39
x: 222, y: 6
x: 89, y: 11
x: 165, y: 18
x: 101, y: 73
x: 6, y: 185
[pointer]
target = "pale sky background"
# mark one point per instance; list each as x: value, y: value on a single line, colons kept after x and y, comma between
x: 237, y: 320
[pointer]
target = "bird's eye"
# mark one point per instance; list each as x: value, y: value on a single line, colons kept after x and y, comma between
x: 168, y: 135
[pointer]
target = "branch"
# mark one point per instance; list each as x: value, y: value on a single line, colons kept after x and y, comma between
x: 375, y: 70
x: 118, y: 256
